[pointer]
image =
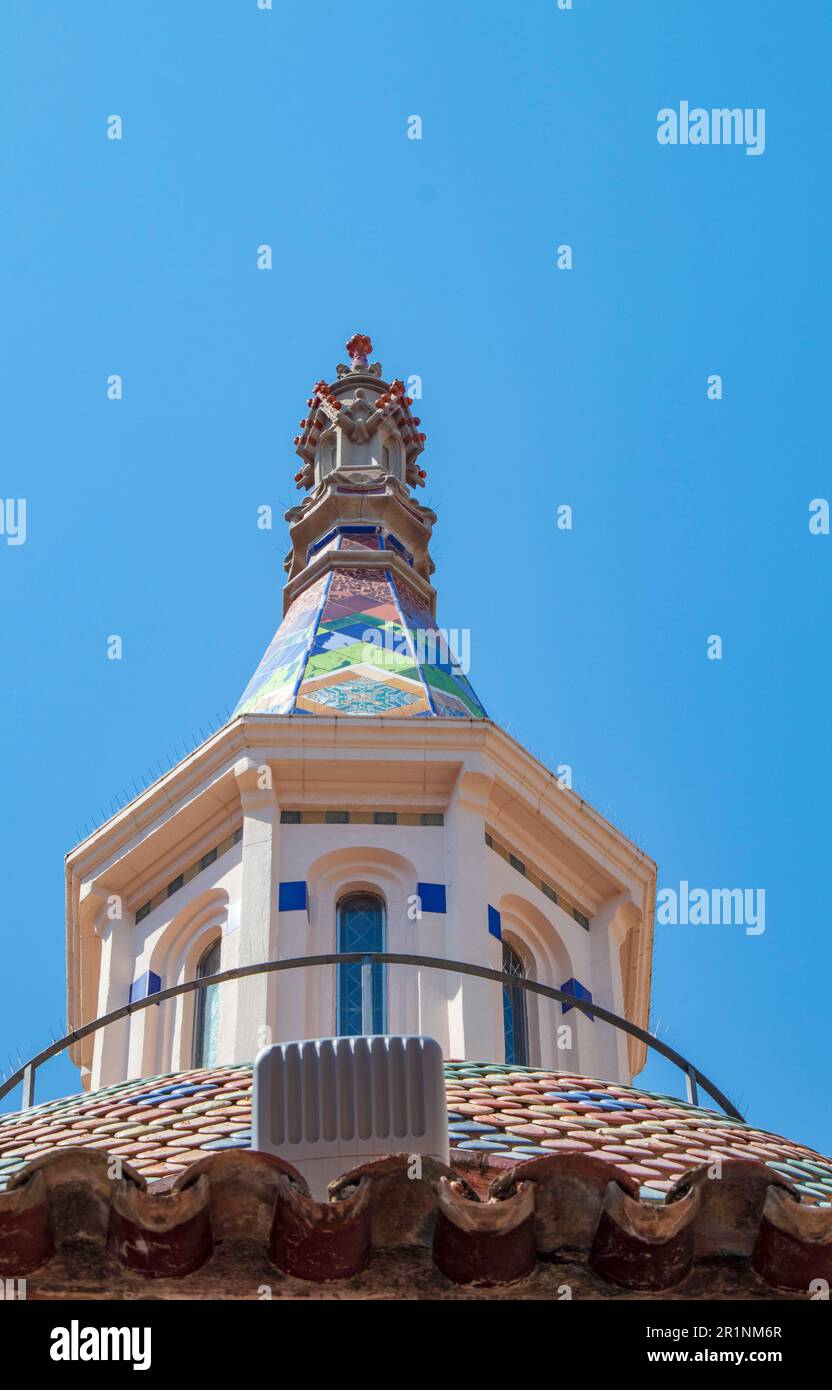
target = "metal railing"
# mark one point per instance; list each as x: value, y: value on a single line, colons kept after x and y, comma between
x: 694, y: 1078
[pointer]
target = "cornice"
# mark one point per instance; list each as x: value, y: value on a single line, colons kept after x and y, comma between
x: 261, y: 736
x: 544, y: 786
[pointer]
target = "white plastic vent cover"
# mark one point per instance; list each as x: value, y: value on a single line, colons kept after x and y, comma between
x: 331, y: 1103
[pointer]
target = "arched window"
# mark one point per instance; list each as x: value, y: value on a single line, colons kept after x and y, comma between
x: 515, y: 1024
x: 207, y: 1011
x: 361, y: 928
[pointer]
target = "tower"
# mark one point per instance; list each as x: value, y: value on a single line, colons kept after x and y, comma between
x: 359, y: 802
x: 359, y: 799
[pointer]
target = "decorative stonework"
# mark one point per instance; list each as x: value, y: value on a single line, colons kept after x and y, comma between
x: 351, y: 423
x: 359, y: 348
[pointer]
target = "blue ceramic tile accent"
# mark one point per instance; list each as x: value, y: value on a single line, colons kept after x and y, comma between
x: 495, y: 923
x: 788, y: 1171
x: 484, y: 1144
x: 227, y: 1144
x: 580, y: 992
x: 291, y: 897
x: 144, y: 986
x: 432, y: 896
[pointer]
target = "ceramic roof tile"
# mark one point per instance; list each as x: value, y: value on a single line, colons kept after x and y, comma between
x: 160, y: 1123
x: 323, y: 659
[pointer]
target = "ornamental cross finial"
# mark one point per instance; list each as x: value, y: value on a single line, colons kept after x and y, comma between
x: 359, y: 348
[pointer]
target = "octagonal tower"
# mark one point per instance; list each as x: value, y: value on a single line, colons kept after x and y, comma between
x: 359, y: 799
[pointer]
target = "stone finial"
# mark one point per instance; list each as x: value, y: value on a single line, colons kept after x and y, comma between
x: 359, y: 348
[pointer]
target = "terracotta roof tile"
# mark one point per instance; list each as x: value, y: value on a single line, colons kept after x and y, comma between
x: 219, y: 1224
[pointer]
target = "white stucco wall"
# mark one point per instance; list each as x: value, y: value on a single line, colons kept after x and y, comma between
x: 236, y: 898
x: 464, y: 1015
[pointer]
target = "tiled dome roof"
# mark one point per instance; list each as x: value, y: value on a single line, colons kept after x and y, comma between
x: 359, y: 642
x: 498, y: 1116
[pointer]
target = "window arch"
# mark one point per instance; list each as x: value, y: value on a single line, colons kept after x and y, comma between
x: 361, y: 927
x: 207, y: 1010
x: 515, y: 1020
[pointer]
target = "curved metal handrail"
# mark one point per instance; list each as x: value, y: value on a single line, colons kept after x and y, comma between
x: 694, y: 1077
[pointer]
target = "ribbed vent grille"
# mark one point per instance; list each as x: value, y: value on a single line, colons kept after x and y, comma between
x: 330, y: 1102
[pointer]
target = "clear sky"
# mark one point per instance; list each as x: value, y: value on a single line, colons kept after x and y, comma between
x: 542, y: 387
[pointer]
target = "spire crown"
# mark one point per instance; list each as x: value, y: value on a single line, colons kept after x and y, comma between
x: 359, y: 429
x: 359, y: 348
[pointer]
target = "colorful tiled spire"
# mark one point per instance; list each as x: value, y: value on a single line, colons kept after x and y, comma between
x: 359, y: 633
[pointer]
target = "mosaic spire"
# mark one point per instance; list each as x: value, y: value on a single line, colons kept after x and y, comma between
x: 359, y: 633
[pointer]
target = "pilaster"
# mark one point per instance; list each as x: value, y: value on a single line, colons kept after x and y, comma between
x: 474, y: 1006
x: 253, y: 998
x: 111, y: 1044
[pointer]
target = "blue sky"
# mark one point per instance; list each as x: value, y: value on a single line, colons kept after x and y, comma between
x: 541, y: 387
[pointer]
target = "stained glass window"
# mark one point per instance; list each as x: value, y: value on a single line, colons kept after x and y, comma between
x: 514, y: 1009
x: 360, y: 928
x: 207, y: 1020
